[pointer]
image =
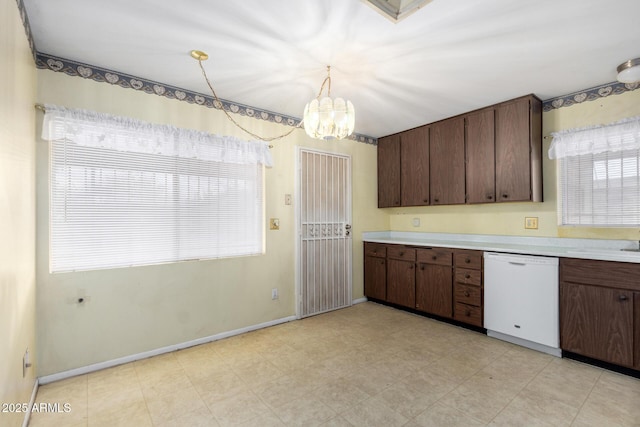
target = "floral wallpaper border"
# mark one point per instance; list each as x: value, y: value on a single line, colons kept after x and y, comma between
x: 592, y: 94
x: 27, y: 27
x: 73, y: 68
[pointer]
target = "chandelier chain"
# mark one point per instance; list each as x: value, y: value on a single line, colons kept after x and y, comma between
x: 326, y: 80
x: 215, y: 96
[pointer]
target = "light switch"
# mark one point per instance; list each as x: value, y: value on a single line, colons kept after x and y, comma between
x: 274, y: 224
x: 531, y: 222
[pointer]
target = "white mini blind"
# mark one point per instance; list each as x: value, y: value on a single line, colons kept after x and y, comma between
x: 127, y: 193
x: 599, y: 175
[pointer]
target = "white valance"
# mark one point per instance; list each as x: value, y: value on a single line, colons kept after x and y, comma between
x: 619, y: 136
x: 89, y: 128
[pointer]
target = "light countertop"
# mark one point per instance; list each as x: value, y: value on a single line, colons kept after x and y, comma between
x: 597, y: 249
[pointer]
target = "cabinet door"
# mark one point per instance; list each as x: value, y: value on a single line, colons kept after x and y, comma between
x: 636, y: 314
x: 375, y: 278
x: 389, y: 171
x: 434, y: 293
x: 401, y: 287
x: 414, y: 167
x: 446, y: 149
x: 480, y: 149
x: 597, y: 322
x: 513, y: 137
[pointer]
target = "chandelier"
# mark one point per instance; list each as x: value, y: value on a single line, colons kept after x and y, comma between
x: 323, y: 118
x: 326, y: 118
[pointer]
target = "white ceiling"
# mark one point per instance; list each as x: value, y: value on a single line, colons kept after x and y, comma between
x: 449, y: 57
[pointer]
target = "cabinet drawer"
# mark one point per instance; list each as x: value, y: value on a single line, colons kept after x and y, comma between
x: 471, y: 295
x: 438, y: 256
x: 611, y: 274
x: 375, y: 249
x: 468, y: 276
x: 468, y: 314
x: 401, y: 252
x: 468, y: 259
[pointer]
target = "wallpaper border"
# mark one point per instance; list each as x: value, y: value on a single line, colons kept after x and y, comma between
x: 591, y: 94
x: 102, y: 75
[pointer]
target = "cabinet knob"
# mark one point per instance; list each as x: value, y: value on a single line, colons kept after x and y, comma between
x: 466, y: 293
x: 467, y: 313
x: 467, y: 260
x: 411, y: 267
x: 421, y: 266
x: 467, y: 276
x: 436, y: 200
x: 505, y: 196
x: 401, y: 253
x: 490, y: 197
x: 425, y: 201
x: 623, y: 298
x: 434, y: 257
x: 397, y: 203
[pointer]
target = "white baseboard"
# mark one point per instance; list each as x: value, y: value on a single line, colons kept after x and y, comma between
x: 132, y: 358
x: 359, y: 300
x: 27, y: 415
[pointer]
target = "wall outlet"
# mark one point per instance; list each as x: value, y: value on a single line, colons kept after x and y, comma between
x: 274, y: 224
x: 531, y: 222
x: 415, y: 222
x: 274, y: 293
x: 287, y: 199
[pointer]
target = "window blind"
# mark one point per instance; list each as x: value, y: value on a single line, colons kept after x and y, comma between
x: 123, y: 196
x: 599, y: 175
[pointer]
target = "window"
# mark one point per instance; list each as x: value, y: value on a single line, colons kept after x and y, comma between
x: 122, y: 195
x: 599, y: 175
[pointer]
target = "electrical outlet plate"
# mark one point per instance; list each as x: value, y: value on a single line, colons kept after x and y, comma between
x: 274, y: 293
x: 531, y: 222
x: 274, y: 224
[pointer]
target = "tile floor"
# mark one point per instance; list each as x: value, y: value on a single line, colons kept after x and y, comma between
x: 368, y: 365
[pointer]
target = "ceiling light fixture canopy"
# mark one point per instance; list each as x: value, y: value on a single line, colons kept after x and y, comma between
x: 325, y: 118
x: 629, y: 71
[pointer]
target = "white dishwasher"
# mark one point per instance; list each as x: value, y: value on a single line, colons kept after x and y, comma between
x: 521, y: 300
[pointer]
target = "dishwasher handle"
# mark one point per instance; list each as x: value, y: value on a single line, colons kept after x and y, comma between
x: 517, y: 263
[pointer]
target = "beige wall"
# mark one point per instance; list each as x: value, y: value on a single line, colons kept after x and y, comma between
x: 508, y: 218
x: 132, y: 310
x: 17, y: 211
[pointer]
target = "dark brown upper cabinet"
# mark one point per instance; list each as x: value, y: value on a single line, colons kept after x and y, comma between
x: 446, y: 150
x: 389, y: 171
x: 414, y: 167
x: 493, y: 154
x: 518, y: 166
x: 480, y: 148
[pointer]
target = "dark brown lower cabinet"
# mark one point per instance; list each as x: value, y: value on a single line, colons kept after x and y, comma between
x: 434, y: 278
x: 598, y: 322
x: 600, y: 310
x: 401, y: 284
x: 375, y: 277
x: 440, y: 281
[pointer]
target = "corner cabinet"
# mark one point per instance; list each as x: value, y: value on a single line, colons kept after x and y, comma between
x: 600, y: 310
x: 493, y: 154
x: 440, y: 281
x: 518, y: 150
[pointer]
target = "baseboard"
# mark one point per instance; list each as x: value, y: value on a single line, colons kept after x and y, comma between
x: 554, y: 351
x: 27, y: 415
x: 144, y: 355
x: 359, y: 300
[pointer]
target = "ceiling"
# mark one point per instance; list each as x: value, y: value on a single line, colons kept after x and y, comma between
x: 446, y: 58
